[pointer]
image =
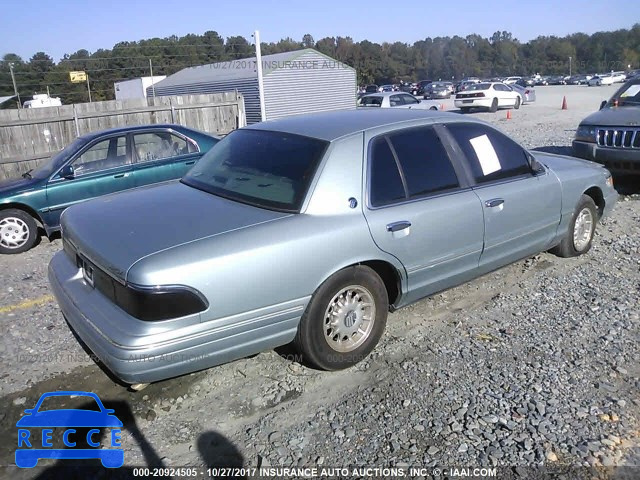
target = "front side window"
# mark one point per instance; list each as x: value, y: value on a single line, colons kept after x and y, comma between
x: 263, y: 168
x: 103, y: 155
x: 158, y: 145
x: 491, y: 154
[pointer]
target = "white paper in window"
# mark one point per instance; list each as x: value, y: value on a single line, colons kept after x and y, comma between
x: 486, y: 154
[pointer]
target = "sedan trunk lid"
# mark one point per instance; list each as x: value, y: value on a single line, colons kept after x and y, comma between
x: 115, y: 231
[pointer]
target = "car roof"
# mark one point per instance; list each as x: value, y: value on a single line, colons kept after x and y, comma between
x: 336, y: 124
x: 134, y: 128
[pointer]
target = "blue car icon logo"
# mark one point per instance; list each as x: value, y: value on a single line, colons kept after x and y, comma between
x: 32, y: 446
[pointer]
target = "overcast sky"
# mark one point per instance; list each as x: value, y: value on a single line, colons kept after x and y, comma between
x: 65, y: 26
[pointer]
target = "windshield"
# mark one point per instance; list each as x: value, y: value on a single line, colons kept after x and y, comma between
x: 371, y: 101
x: 263, y: 168
x: 55, y: 162
x: 628, y: 94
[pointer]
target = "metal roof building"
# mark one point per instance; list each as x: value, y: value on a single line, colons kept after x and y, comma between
x: 302, y: 81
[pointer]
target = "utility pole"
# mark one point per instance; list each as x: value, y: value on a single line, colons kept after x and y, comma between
x: 15, y: 89
x: 569, y: 66
x: 88, y: 88
x: 153, y: 88
x: 256, y: 37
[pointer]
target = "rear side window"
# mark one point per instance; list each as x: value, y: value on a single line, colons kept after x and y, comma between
x: 491, y: 154
x: 409, y: 164
x: 386, y: 184
x: 424, y: 161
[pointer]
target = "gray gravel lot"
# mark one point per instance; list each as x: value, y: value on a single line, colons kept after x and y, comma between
x: 536, y: 364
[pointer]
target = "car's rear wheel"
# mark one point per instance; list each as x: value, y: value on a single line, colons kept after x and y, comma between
x: 344, y: 320
x: 494, y: 106
x: 18, y: 231
x: 581, y: 230
x: 433, y: 108
x: 517, y: 105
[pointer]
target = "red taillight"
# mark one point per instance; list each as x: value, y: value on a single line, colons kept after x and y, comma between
x: 480, y: 95
x: 526, y: 92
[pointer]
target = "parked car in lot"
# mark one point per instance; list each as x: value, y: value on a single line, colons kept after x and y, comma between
x: 341, y: 208
x: 611, y: 136
x: 93, y: 165
x: 437, y: 90
x: 489, y: 96
x: 397, y: 100
x: 371, y: 88
x: 527, y: 94
x: 557, y: 80
x: 601, y: 79
x: 460, y: 87
x: 510, y: 80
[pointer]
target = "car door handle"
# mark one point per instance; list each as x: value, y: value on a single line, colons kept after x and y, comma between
x: 396, y: 226
x: 495, y: 202
x: 190, y: 162
x: 121, y: 175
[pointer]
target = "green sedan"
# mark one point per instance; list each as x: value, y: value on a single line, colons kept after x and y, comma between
x: 93, y: 165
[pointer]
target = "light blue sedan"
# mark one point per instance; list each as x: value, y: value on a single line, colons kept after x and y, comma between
x: 310, y: 229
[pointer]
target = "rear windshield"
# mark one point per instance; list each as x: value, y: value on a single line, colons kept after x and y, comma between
x: 267, y: 169
x: 479, y: 86
x: 374, y: 101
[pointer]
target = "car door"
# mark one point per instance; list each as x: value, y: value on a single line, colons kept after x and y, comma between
x: 103, y: 167
x: 420, y: 210
x: 161, y: 155
x: 521, y: 208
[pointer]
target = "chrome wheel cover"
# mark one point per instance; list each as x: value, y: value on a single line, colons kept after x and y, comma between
x: 14, y: 232
x: 583, y: 229
x: 349, y: 318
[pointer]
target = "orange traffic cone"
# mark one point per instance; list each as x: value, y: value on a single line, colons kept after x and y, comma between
x: 508, y: 114
x: 564, y: 103
x: 442, y: 106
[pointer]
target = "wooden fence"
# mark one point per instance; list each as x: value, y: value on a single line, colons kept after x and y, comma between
x: 28, y: 137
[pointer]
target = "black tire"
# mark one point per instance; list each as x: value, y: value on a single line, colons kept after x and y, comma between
x: 517, y: 105
x: 433, y: 108
x: 18, y: 231
x: 315, y: 333
x: 465, y: 109
x: 567, y: 247
x: 494, y: 106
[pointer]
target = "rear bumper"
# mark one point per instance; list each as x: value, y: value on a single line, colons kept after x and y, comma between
x: 143, y: 352
x: 617, y: 160
x: 474, y: 103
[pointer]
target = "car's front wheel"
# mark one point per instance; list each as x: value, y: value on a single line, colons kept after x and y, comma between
x: 344, y: 320
x: 582, y: 228
x: 18, y: 231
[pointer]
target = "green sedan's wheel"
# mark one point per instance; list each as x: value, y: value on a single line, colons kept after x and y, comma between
x: 344, y: 319
x: 18, y: 231
x: 581, y: 230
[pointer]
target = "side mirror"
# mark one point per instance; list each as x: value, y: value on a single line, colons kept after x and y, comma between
x: 536, y: 166
x: 67, y: 172
x: 604, y: 102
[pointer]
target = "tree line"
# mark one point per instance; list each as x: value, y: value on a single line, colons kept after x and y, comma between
x: 432, y: 58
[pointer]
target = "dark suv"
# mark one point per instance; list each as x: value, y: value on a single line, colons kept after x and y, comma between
x: 611, y: 136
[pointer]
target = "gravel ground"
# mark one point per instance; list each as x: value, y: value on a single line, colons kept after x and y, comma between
x: 535, y: 365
